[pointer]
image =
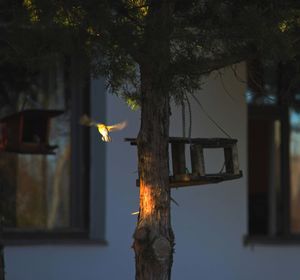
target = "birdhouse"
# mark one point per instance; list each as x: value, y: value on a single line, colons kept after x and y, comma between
x: 181, y: 177
x: 27, y: 132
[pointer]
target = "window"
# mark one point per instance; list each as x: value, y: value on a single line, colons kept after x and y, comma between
x: 273, y: 151
x: 46, y: 196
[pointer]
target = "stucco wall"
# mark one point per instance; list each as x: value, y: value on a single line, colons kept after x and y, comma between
x: 209, y: 224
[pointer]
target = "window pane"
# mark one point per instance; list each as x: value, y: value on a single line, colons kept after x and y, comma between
x: 295, y: 170
x: 36, y: 188
x: 264, y: 175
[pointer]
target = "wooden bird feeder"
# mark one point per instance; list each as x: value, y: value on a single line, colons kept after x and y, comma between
x: 27, y: 132
x: 198, y: 176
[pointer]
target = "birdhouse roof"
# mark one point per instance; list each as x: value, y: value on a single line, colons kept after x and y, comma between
x: 34, y: 113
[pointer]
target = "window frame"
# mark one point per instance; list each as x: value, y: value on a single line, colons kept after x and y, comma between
x: 278, y: 111
x: 86, y: 226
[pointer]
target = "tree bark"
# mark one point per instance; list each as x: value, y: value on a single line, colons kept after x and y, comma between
x: 153, y: 237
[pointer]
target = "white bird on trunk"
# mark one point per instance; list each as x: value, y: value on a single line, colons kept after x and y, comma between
x: 103, y: 129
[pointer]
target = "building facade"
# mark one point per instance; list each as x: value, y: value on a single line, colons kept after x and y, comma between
x: 210, y: 223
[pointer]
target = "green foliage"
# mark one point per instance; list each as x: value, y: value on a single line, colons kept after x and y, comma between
x: 204, y: 35
x: 132, y: 103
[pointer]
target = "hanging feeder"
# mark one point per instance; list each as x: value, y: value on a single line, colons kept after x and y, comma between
x: 198, y: 175
x: 27, y: 132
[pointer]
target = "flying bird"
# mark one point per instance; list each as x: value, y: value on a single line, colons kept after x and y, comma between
x: 103, y: 129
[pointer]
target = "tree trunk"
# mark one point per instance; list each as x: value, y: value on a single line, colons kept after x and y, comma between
x: 153, y: 237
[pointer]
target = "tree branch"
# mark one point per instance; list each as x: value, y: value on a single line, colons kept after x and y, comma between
x: 201, y: 66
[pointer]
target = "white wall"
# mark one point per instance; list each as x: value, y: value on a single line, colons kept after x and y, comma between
x: 209, y: 223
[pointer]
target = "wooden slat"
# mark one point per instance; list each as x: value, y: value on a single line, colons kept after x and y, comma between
x: 205, y: 142
x: 231, y: 159
x: 197, y: 159
x: 186, y: 180
x: 204, y: 180
x: 178, y: 158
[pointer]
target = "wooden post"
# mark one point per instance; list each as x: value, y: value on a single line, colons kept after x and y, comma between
x: 178, y: 158
x: 231, y: 159
x: 197, y: 160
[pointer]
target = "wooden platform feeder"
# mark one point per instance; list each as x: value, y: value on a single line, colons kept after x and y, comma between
x: 198, y: 176
x: 27, y: 132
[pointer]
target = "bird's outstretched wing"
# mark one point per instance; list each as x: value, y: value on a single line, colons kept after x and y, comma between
x: 85, y: 120
x: 117, y: 126
x: 102, y: 128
